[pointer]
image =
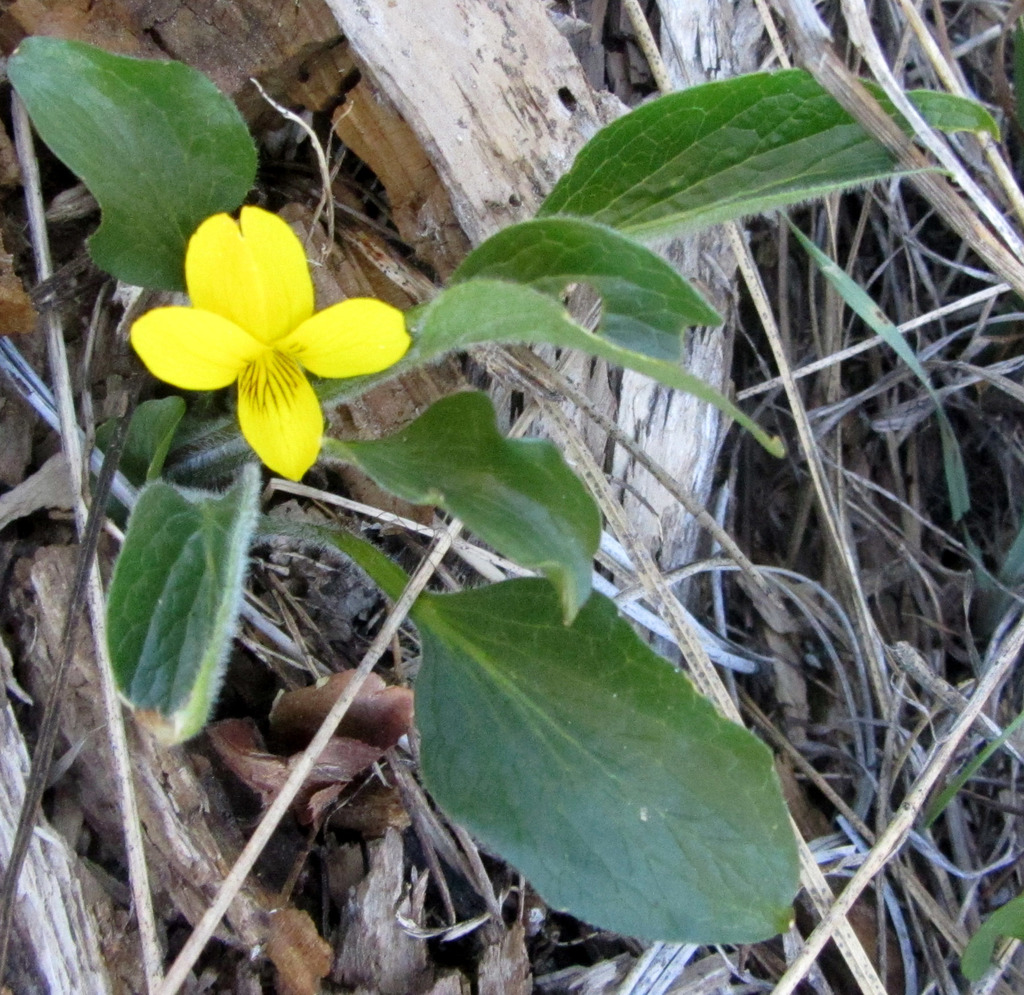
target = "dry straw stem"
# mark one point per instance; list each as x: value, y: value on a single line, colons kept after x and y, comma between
x: 813, y: 45
x: 71, y: 442
x: 1003, y: 658
x: 867, y: 631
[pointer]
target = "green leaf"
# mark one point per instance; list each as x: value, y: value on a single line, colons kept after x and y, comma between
x: 646, y: 304
x: 174, y: 601
x: 944, y: 111
x: 594, y: 767
x: 517, y: 495
x: 726, y: 149
x: 862, y: 304
x: 149, y: 438
x: 482, y: 310
x: 1005, y: 921
x: 158, y: 145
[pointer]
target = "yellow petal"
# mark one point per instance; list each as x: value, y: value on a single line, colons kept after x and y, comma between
x: 350, y: 339
x: 193, y: 349
x: 280, y: 415
x: 252, y: 271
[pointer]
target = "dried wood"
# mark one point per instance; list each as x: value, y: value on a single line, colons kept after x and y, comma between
x: 493, y: 93
x: 55, y: 947
x: 376, y: 955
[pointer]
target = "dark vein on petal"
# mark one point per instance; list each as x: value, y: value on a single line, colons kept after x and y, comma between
x: 271, y: 381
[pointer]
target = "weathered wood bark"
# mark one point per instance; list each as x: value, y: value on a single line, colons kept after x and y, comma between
x: 700, y: 41
x: 500, y: 106
x: 492, y: 91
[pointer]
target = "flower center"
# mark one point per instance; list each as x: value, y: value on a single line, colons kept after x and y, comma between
x: 271, y: 382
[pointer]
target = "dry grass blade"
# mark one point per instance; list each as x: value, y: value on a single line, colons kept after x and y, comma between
x: 1004, y: 657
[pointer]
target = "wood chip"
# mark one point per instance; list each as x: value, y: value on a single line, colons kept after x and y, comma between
x: 17, y: 315
x: 300, y: 954
x: 48, y: 487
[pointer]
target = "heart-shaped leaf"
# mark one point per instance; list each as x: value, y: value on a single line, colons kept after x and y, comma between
x: 517, y: 495
x: 593, y: 766
x: 174, y: 600
x: 159, y: 146
x: 646, y: 304
x: 719, y: 151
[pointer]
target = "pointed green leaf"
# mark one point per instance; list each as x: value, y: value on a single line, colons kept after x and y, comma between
x: 174, y: 600
x: 646, y: 304
x: 1005, y: 921
x: 149, y: 438
x: 517, y: 495
x: 481, y: 310
x: 725, y: 149
x: 950, y: 791
x: 159, y: 146
x: 945, y: 112
x: 594, y: 767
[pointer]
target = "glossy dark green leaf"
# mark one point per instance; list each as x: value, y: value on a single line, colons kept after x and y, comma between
x: 174, y: 600
x: 594, y: 767
x: 722, y: 150
x: 646, y: 304
x: 517, y: 495
x: 159, y: 146
x: 482, y: 310
x: 1005, y: 921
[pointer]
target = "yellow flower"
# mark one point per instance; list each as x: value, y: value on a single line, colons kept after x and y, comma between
x: 252, y: 320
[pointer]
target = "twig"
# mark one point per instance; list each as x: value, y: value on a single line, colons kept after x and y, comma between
x: 321, y: 159
x: 648, y: 45
x: 42, y: 757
